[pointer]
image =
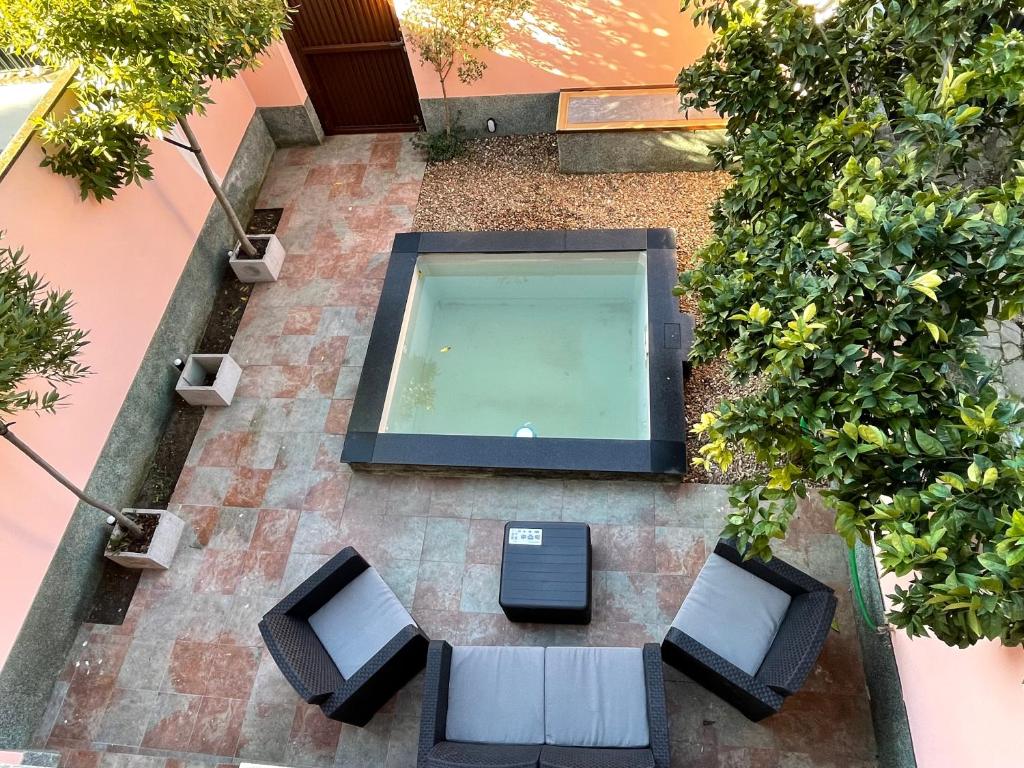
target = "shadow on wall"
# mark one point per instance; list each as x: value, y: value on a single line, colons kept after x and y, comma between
x: 605, y: 42
x: 584, y: 43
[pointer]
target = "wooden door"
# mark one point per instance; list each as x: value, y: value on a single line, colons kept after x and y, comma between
x: 352, y: 58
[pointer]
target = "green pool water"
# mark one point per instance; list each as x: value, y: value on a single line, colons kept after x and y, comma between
x: 495, y: 342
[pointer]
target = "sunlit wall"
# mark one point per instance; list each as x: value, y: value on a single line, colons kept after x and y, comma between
x: 580, y: 44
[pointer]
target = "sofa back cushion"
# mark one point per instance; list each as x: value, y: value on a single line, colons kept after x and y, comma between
x: 595, y: 697
x: 359, y: 621
x: 733, y: 613
x: 496, y: 695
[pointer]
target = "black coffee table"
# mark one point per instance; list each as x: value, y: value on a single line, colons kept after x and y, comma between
x: 545, y: 572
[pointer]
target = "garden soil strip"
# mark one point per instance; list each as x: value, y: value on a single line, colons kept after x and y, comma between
x: 117, y: 584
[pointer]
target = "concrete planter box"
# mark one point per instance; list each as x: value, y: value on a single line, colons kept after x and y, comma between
x: 208, y: 380
x: 262, y: 270
x: 161, y: 549
x: 651, y: 151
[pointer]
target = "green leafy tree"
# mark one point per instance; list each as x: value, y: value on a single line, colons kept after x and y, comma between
x: 144, y: 66
x: 39, y: 350
x: 449, y: 35
x: 868, y: 234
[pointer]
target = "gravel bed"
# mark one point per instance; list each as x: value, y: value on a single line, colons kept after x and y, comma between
x: 513, y: 183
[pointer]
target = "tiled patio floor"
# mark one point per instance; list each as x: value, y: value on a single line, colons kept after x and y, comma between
x: 186, y: 679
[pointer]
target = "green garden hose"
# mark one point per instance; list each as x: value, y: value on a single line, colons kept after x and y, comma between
x: 858, y: 596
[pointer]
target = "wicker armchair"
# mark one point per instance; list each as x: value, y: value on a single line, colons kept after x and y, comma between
x: 779, y: 671
x: 321, y: 628
x: 436, y: 751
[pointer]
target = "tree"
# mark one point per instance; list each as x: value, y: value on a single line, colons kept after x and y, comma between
x: 866, y: 238
x: 449, y: 35
x: 144, y: 66
x: 39, y: 349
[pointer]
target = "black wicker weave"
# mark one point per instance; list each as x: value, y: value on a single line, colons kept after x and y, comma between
x: 583, y: 757
x: 791, y: 657
x: 302, y: 659
x: 657, y: 712
x: 436, y: 752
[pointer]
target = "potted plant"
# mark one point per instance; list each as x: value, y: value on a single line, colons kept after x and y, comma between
x: 135, y: 87
x: 39, y: 349
x: 208, y: 380
x: 154, y: 547
x: 262, y: 267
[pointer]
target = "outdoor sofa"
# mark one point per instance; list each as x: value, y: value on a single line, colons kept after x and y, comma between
x: 344, y: 641
x: 750, y: 631
x: 549, y: 707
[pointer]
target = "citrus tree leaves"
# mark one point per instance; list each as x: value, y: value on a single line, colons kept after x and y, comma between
x: 855, y: 260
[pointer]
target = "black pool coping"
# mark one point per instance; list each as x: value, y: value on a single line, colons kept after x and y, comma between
x: 670, y: 335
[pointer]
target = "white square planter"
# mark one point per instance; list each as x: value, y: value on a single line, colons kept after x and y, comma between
x: 161, y: 548
x: 208, y: 380
x: 262, y: 270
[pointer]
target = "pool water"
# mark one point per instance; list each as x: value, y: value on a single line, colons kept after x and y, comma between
x: 553, y: 345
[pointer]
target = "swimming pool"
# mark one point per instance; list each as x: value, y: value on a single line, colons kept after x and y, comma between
x: 546, y: 345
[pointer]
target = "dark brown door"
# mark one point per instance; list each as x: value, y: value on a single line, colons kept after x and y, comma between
x: 353, y: 61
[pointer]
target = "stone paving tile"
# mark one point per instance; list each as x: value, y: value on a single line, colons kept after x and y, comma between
x: 146, y: 663
x: 218, y: 727
x: 623, y: 548
x: 172, y: 722
x: 125, y: 717
x: 608, y: 501
x: 401, y: 575
x: 626, y: 596
x: 408, y: 495
x: 691, y: 506
x: 445, y: 540
x: 360, y: 747
x: 439, y: 587
x: 234, y: 528
x: 538, y: 499
x: 485, y: 541
x: 313, y: 739
x: 300, y: 566
x: 185, y: 682
x: 679, y: 550
x: 480, y: 589
x: 269, y: 716
x: 275, y: 530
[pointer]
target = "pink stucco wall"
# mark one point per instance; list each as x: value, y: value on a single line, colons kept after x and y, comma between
x: 581, y: 43
x: 276, y: 82
x: 964, y: 705
x: 122, y: 260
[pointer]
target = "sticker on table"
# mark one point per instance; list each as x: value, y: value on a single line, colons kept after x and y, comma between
x: 534, y: 536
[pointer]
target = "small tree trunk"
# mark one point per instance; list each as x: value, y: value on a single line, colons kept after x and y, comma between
x: 447, y: 108
x: 126, y: 524
x: 197, y: 150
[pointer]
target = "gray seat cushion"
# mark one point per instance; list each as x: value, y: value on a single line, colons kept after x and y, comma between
x: 578, y: 757
x: 733, y: 613
x: 595, y: 697
x: 359, y: 621
x: 496, y: 695
x: 450, y: 754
